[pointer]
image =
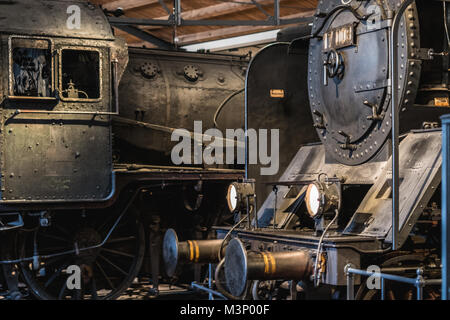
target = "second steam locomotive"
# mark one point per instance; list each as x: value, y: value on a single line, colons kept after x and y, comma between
x: 333, y: 206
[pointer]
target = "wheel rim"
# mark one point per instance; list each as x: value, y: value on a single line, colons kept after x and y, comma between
x: 104, y: 272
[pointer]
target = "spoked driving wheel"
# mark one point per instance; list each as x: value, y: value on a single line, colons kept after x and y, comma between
x: 100, y: 272
x: 396, y: 290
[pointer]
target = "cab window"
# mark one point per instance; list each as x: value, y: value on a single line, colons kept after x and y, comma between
x: 80, y: 74
x: 31, y: 68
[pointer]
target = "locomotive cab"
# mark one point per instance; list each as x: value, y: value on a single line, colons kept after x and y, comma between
x: 58, y: 96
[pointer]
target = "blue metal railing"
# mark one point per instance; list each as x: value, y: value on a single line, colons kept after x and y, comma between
x: 445, y: 206
x: 419, y: 282
x: 211, y: 292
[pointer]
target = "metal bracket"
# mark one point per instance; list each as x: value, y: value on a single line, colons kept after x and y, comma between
x: 347, y: 145
x: 427, y: 54
x: 375, y: 109
x: 320, y: 124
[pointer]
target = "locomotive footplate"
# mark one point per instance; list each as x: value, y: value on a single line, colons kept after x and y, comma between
x: 337, y: 250
x: 127, y: 174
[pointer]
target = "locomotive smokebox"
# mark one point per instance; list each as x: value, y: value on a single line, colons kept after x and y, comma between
x: 176, y: 253
x: 242, y: 265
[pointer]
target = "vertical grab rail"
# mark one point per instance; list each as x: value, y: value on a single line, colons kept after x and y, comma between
x: 395, y: 120
x: 445, y: 213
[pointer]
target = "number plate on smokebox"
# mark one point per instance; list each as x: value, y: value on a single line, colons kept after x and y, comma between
x: 339, y: 37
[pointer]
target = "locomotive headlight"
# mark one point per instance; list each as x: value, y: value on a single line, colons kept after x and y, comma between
x: 322, y: 198
x: 232, y: 197
x: 239, y: 194
x: 313, y: 200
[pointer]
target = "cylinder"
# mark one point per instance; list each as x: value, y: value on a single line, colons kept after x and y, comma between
x: 176, y: 253
x: 242, y: 265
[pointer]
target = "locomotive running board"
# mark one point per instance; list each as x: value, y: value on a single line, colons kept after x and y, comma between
x: 420, y: 176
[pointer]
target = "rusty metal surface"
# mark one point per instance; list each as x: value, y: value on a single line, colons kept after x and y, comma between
x: 49, y: 18
x: 420, y: 168
x: 42, y: 153
x: 165, y: 173
x: 353, y: 107
x: 172, y: 90
x: 66, y: 153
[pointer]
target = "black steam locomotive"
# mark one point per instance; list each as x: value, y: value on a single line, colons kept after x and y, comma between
x: 87, y: 184
x: 377, y: 82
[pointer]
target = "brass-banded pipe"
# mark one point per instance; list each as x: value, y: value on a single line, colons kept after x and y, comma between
x: 199, y: 251
x: 293, y: 265
x: 176, y: 253
x: 242, y: 265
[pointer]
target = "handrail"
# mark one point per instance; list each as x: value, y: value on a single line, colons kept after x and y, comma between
x: 395, y: 121
x: 445, y: 198
x: 419, y: 282
x: 210, y: 291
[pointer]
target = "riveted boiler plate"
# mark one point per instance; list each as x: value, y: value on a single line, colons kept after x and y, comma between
x: 345, y: 103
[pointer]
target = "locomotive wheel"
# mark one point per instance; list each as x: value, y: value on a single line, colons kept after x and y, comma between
x: 396, y: 290
x: 105, y: 272
x: 263, y: 290
x: 274, y: 290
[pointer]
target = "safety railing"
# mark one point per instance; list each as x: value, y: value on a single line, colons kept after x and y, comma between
x: 211, y: 292
x: 419, y: 282
x: 445, y: 212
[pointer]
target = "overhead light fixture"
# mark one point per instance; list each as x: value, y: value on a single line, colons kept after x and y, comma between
x: 235, y: 42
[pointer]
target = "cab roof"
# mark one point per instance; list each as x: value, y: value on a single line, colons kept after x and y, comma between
x: 50, y: 18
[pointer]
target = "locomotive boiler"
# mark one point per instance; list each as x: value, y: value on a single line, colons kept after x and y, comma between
x: 333, y: 205
x: 69, y: 102
x: 166, y: 90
